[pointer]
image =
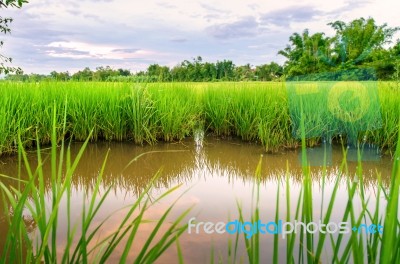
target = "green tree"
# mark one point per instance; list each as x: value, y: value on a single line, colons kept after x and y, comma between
x: 159, y: 73
x: 124, y: 72
x: 225, y: 70
x: 244, y: 73
x: 269, y: 72
x: 356, y: 42
x: 5, y: 29
x: 104, y: 73
x: 60, y: 76
x: 209, y: 72
x: 306, y: 54
x: 84, y: 75
x: 356, y: 45
x: 395, y: 55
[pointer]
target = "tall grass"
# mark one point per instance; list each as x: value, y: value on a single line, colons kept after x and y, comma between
x: 356, y: 247
x: 143, y: 114
x: 83, y: 243
x: 146, y: 113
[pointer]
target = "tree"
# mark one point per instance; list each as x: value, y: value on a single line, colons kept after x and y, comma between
x: 306, y: 54
x: 269, y: 72
x: 104, y: 73
x: 60, y: 76
x: 225, y: 70
x: 244, y: 73
x: 209, y: 72
x: 84, y: 75
x: 158, y: 73
x: 356, y: 42
x: 395, y: 54
x: 124, y: 72
x: 356, y: 45
x: 5, y: 28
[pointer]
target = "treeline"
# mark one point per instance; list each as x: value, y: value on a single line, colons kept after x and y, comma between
x: 359, y: 50
x: 188, y: 71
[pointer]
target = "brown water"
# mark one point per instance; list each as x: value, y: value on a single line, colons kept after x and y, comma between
x: 214, y: 175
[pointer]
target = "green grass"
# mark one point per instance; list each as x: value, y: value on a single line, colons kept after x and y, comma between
x: 147, y: 113
x: 83, y: 244
x: 46, y: 118
x: 360, y: 247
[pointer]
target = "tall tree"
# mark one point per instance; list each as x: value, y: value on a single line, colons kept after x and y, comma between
x: 306, y: 53
x: 269, y: 72
x: 356, y: 41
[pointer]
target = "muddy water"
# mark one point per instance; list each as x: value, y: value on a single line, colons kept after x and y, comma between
x: 214, y: 175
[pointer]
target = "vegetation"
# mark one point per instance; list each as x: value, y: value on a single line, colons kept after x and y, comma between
x: 147, y: 113
x: 308, y: 247
x: 5, y: 28
x: 194, y: 71
x: 84, y: 243
x: 83, y: 246
x: 358, y: 44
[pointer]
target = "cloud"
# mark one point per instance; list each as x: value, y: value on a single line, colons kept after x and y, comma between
x: 178, y: 39
x: 348, y: 7
x: 62, y: 52
x: 71, y: 49
x: 166, y: 5
x: 74, y: 12
x: 94, y: 17
x: 283, y: 17
x: 245, y: 27
x: 210, y: 8
x: 263, y: 46
x: 127, y: 50
x: 254, y: 6
x: 210, y: 17
x: 108, y: 1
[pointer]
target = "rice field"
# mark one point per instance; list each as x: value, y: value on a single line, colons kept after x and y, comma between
x: 147, y: 113
x: 32, y: 115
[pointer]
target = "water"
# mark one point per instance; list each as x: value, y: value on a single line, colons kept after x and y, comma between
x: 214, y: 175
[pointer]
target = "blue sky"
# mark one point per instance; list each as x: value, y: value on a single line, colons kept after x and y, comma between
x: 71, y: 34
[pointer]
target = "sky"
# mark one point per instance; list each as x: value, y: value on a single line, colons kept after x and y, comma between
x: 68, y: 35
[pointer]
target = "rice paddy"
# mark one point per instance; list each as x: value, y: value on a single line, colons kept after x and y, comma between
x: 148, y: 113
x: 33, y: 115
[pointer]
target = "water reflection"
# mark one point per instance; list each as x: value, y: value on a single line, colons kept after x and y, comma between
x: 219, y: 172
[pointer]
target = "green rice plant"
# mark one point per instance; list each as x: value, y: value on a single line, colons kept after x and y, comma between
x: 386, y: 137
x: 177, y: 110
x: 217, y: 108
x: 112, y: 120
x: 390, y: 247
x: 140, y: 114
x: 254, y: 111
x: 246, y: 104
x: 357, y: 247
x: 275, y: 126
x: 84, y: 112
x: 20, y: 247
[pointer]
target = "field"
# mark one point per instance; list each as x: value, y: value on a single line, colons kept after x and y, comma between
x: 38, y: 114
x: 148, y: 113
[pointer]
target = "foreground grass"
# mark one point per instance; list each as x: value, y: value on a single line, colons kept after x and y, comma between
x: 306, y: 247
x: 168, y: 111
x: 20, y: 247
x: 82, y: 244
